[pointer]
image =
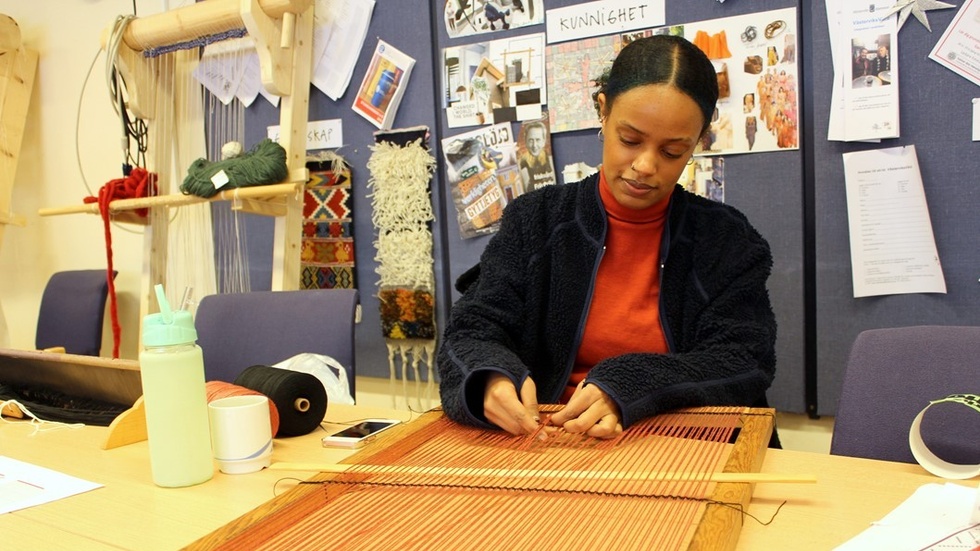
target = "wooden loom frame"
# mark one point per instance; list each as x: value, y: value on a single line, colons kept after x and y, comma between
x: 718, y: 528
x: 283, y: 35
x: 18, y: 65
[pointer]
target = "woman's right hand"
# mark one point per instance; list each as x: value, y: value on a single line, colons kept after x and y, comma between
x: 503, y: 407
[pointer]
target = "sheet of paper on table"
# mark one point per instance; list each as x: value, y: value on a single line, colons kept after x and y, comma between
x: 23, y: 485
x: 935, y: 516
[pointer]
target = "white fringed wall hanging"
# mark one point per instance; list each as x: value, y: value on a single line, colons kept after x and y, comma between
x: 401, y: 169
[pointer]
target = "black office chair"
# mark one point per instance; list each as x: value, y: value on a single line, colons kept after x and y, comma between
x: 72, y: 312
x: 891, y: 375
x: 239, y: 330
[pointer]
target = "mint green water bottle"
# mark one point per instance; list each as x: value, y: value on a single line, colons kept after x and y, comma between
x: 175, y: 398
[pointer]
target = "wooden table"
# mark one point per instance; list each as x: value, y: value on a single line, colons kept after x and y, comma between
x: 130, y: 512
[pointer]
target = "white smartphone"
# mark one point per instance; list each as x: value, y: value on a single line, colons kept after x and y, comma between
x: 357, y: 435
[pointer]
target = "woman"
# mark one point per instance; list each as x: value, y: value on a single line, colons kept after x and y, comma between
x: 622, y: 295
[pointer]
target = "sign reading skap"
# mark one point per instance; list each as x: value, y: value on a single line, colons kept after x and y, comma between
x: 603, y: 17
x: 327, y: 134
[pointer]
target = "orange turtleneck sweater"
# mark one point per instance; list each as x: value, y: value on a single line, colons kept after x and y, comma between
x: 624, y: 315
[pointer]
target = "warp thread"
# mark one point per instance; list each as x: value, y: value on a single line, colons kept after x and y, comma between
x: 299, y: 397
x: 137, y: 183
x: 263, y: 164
x: 220, y: 389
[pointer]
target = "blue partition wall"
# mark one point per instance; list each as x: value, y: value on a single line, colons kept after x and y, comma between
x: 795, y: 198
x: 936, y: 116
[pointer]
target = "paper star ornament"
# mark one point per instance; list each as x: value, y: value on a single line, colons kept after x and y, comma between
x: 918, y: 8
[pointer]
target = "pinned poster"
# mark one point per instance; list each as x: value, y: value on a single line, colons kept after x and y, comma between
x: 893, y: 250
x: 864, y: 100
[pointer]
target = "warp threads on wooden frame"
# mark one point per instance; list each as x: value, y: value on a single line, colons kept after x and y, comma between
x: 428, y: 485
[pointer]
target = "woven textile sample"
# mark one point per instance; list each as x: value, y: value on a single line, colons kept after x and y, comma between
x: 407, y: 313
x: 327, y: 255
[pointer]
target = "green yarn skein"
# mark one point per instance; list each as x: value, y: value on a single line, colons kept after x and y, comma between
x: 263, y: 164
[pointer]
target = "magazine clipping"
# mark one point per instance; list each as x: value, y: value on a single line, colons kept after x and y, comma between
x: 534, y: 157
x: 481, y: 167
x: 383, y: 86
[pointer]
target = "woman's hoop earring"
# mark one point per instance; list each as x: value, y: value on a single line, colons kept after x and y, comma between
x: 690, y: 161
x: 600, y: 134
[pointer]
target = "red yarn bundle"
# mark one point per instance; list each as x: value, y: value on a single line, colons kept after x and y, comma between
x: 138, y: 183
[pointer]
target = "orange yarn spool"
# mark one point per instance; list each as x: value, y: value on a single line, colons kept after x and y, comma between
x: 221, y: 389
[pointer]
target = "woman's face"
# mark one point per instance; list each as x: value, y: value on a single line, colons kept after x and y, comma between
x: 650, y: 134
x: 534, y: 140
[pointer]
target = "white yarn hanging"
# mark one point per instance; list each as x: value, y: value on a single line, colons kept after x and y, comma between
x: 402, y: 211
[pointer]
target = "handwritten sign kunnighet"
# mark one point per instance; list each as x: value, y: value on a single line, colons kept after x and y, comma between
x: 603, y: 17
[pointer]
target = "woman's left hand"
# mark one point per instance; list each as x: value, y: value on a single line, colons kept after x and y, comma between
x: 589, y: 411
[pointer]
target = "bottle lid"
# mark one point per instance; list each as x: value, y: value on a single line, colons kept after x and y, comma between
x: 168, y: 328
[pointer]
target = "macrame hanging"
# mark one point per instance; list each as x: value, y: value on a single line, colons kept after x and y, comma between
x: 401, y: 168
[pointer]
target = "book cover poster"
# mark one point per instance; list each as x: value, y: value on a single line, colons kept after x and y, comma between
x: 537, y: 167
x: 481, y: 167
x: 383, y: 85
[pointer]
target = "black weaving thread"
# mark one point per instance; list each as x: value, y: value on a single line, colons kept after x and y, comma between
x: 299, y: 397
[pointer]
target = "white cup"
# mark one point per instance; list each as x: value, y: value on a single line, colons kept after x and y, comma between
x: 241, y: 433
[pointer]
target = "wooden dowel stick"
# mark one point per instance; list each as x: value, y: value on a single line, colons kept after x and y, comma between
x: 540, y: 473
x: 270, y: 190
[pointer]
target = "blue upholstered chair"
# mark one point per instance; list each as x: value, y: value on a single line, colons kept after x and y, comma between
x: 891, y: 375
x: 239, y: 330
x: 72, y: 312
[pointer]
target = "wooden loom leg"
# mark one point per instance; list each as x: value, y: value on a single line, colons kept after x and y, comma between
x: 294, y: 114
x: 720, y: 526
x: 17, y: 70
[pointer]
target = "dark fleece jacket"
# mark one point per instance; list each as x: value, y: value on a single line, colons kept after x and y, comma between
x: 524, y: 308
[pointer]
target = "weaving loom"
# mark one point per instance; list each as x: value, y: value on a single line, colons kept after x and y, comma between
x: 435, y: 484
x: 155, y: 57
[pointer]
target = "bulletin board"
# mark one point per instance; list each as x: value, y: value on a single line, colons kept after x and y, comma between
x: 936, y: 115
x: 767, y: 187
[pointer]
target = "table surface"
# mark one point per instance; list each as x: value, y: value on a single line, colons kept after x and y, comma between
x: 130, y: 512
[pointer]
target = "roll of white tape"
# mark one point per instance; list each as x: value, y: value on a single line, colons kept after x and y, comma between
x: 930, y: 461
x: 975, y: 514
